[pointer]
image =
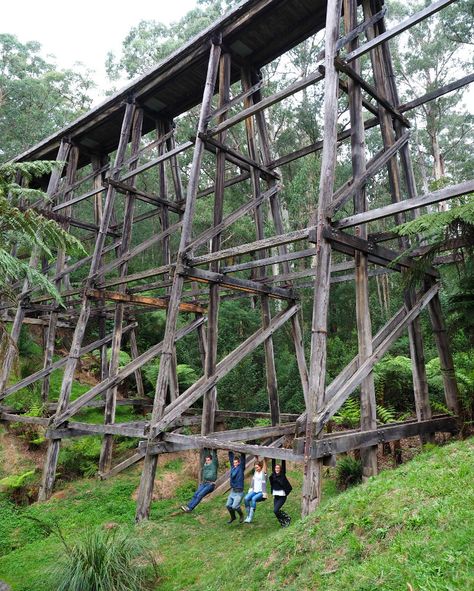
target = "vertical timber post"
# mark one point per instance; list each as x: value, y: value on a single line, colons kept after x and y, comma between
x: 368, y: 407
x: 145, y: 492
x: 317, y: 368
x: 210, y: 397
x: 51, y: 461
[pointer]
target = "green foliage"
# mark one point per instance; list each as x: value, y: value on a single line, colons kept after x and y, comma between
x: 109, y: 560
x: 186, y: 374
x: 28, y: 83
x: 20, y: 488
x: 349, y: 414
x: 348, y: 472
x: 79, y: 457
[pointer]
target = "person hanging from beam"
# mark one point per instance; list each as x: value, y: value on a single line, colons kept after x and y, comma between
x: 258, y: 489
x: 237, y: 474
x: 281, y: 488
x: 208, y: 480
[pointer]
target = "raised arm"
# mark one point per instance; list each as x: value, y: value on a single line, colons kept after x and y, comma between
x: 265, y: 465
x: 231, y: 457
x: 215, y: 459
x: 242, y: 462
x: 273, y: 465
x: 283, y: 466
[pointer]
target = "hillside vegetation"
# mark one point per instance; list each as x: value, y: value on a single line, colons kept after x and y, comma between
x: 409, y: 528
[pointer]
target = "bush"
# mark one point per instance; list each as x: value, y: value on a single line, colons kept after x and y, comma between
x: 348, y: 472
x: 111, y: 560
x: 79, y: 458
x: 22, y: 489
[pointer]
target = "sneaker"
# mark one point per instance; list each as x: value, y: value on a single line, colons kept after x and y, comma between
x: 231, y: 520
x: 185, y: 508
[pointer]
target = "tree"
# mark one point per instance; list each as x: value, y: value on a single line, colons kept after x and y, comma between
x: 36, y: 98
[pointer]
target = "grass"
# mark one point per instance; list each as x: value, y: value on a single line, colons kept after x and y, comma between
x: 409, y: 526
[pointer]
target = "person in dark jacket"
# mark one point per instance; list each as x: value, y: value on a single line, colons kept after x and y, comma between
x: 281, y: 488
x: 208, y: 480
x: 237, y: 473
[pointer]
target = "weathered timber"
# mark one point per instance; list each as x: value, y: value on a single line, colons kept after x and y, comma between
x: 408, y: 205
x: 141, y: 300
x: 335, y: 403
x: 346, y: 69
x: 60, y: 363
x: 371, y: 170
x: 267, y: 102
x: 238, y: 284
x: 403, y: 26
x: 434, y: 94
x: 277, y: 240
x: 343, y: 442
x: 317, y: 366
x: 374, y: 250
x: 123, y: 373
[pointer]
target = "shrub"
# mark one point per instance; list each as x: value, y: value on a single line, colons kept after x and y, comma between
x: 22, y: 489
x: 111, y: 560
x: 348, y: 472
x: 79, y: 458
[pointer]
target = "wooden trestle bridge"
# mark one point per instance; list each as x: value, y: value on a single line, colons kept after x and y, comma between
x: 107, y: 152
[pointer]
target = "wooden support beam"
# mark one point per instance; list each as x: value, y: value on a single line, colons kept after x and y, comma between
x: 144, y: 196
x: 163, y: 270
x: 235, y: 283
x: 372, y: 169
x: 403, y: 26
x: 236, y: 100
x: 194, y: 392
x: 336, y: 443
x: 288, y: 256
x: 434, y: 94
x: 234, y: 251
x: 166, y: 156
x: 58, y: 364
x: 123, y: 373
x: 375, y: 251
x: 407, y: 205
x: 199, y: 441
x: 381, y: 100
x: 267, y: 102
x: 335, y: 403
x: 141, y: 300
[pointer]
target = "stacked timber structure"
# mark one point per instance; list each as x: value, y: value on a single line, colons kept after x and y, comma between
x: 108, y: 151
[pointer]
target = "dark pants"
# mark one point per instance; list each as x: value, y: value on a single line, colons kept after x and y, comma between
x: 203, y: 489
x: 278, y: 503
x: 283, y: 518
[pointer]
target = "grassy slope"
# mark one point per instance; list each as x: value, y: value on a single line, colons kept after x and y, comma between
x: 411, y: 525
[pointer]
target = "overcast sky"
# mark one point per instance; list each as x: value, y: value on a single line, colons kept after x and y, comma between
x: 84, y: 31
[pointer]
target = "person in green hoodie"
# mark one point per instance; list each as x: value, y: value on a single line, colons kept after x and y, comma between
x: 208, y: 482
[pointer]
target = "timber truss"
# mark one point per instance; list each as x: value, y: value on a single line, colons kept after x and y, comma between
x: 123, y: 157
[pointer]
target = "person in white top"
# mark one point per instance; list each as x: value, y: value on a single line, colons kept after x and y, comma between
x: 258, y: 489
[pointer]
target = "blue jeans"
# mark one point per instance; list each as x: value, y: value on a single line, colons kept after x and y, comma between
x: 234, y: 499
x: 203, y: 489
x: 252, y: 498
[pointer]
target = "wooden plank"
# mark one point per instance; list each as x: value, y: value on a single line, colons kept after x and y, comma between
x: 434, y: 94
x: 141, y: 300
x: 201, y: 442
x: 151, y: 163
x: 346, y: 69
x: 123, y: 373
x: 194, y: 392
x: 372, y: 169
x: 335, y: 403
x: 234, y: 251
x: 407, y: 205
x: 288, y: 256
x: 343, y: 442
x: 238, y: 284
x: 60, y: 363
x: 131, y: 461
x: 268, y: 102
x: 403, y: 26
